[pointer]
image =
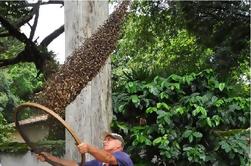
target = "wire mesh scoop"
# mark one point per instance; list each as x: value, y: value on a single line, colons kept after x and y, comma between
x: 36, y: 110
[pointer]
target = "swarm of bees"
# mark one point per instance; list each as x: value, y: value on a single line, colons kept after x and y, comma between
x: 84, y: 64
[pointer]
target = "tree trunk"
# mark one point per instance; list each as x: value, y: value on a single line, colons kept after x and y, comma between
x: 90, y: 114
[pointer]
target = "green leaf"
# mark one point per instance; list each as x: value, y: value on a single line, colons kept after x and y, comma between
x: 219, y: 102
x: 135, y: 99
x: 121, y: 108
x: 123, y: 127
x: 190, y: 138
x: 157, y: 141
x: 163, y: 106
x: 209, y: 122
x: 154, y: 90
x: 197, y: 134
x: 177, y: 86
x: 164, y: 95
x: 187, y: 133
x: 148, y: 142
x: 180, y: 110
x: 225, y: 146
x: 167, y: 119
x: 131, y: 87
x: 146, y: 101
x: 189, y: 78
x: 198, y: 110
x: 221, y: 86
x: 151, y: 110
x: 216, y: 119
x: 187, y: 148
x: 175, y: 77
x: 234, y: 107
x: 214, y: 99
x: 163, y: 117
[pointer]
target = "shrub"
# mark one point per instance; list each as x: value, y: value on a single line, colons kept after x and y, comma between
x: 183, y: 120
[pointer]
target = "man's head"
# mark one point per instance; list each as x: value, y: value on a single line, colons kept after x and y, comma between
x: 113, y: 142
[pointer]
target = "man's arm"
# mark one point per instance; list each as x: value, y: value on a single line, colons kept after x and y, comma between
x: 99, y: 154
x: 55, y: 161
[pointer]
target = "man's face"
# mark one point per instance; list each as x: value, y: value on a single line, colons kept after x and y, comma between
x: 111, y: 145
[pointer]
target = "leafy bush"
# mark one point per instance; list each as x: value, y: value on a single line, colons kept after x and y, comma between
x: 13, y: 147
x: 56, y: 148
x: 5, y: 130
x: 17, y: 83
x: 183, y: 120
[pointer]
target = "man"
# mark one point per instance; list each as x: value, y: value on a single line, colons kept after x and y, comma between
x: 111, y: 154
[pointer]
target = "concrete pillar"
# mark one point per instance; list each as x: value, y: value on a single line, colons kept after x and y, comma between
x: 90, y: 114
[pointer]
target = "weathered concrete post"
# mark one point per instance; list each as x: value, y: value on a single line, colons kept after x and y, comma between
x: 90, y: 114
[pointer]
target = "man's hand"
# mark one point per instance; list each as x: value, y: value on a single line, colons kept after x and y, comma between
x: 42, y: 156
x: 55, y: 161
x: 83, y: 148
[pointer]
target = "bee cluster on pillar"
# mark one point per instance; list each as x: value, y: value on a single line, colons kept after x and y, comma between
x: 84, y: 64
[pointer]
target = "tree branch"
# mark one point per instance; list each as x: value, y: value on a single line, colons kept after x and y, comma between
x: 47, y: 3
x: 29, y: 54
x: 25, y: 19
x: 47, y: 40
x: 53, y: 2
x: 17, y: 59
x: 13, y: 31
x: 4, y: 34
x: 33, y: 28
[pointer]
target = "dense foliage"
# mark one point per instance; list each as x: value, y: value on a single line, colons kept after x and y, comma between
x: 181, y: 83
x: 151, y: 45
x: 5, y: 130
x: 17, y: 83
x: 57, y: 147
x: 175, y: 37
x: 221, y: 25
x: 184, y: 120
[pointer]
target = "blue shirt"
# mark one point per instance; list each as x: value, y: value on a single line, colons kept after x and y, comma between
x: 122, y: 158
